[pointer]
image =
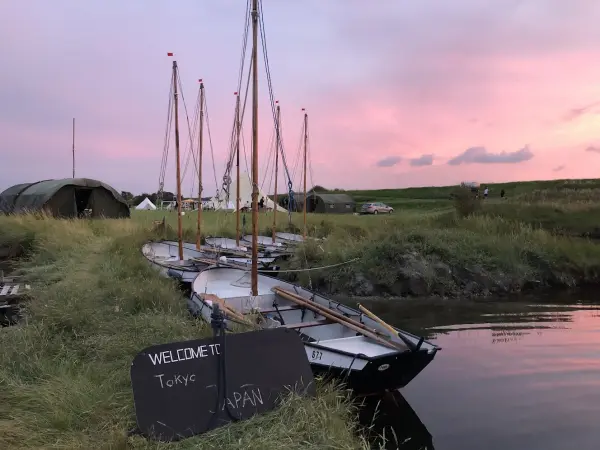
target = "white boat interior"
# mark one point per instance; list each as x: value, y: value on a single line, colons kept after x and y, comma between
x: 168, y: 252
x: 227, y: 243
x: 161, y: 249
x: 265, y: 240
x: 289, y: 237
x: 233, y: 286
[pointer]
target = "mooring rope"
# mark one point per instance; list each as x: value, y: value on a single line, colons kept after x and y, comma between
x: 312, y: 268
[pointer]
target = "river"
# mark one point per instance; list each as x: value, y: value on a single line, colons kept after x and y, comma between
x: 520, y: 373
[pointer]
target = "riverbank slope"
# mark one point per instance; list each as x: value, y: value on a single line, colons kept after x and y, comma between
x: 95, y: 303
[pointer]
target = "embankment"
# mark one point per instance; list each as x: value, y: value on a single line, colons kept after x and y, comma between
x: 64, y: 371
x: 443, y: 255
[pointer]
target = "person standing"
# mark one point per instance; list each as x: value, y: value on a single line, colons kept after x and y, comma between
x: 485, y: 193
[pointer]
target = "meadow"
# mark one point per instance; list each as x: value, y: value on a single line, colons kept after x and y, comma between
x: 64, y: 371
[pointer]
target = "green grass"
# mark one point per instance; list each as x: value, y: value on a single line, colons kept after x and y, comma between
x: 64, y: 371
x: 427, y: 251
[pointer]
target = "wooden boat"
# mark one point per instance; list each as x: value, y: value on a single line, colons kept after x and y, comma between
x: 363, y: 351
x: 165, y: 258
x: 290, y: 238
x: 244, y: 247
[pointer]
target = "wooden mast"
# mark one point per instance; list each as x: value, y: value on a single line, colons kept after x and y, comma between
x: 200, y: 139
x: 305, y: 146
x: 178, y: 175
x: 277, y: 142
x: 237, y: 169
x: 73, y: 148
x: 254, y: 291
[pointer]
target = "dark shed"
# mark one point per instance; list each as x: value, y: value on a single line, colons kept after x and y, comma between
x: 69, y: 197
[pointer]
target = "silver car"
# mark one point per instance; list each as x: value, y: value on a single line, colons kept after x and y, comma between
x: 376, y: 208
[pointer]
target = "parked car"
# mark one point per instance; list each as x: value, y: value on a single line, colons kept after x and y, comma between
x: 376, y: 208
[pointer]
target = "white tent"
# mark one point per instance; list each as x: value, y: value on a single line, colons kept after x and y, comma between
x: 146, y: 204
x: 245, y: 196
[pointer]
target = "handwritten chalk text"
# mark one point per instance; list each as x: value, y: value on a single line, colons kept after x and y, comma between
x: 176, y: 379
x: 184, y: 354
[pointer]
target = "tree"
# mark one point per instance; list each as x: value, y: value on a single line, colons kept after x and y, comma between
x: 127, y: 196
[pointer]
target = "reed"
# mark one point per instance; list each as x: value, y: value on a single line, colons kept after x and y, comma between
x: 64, y: 371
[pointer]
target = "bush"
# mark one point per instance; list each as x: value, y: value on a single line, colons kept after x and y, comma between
x: 466, y: 202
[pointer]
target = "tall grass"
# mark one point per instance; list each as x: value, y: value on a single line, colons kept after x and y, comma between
x: 64, y: 371
x: 422, y: 253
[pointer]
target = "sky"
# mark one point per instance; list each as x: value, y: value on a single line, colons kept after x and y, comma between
x: 398, y: 93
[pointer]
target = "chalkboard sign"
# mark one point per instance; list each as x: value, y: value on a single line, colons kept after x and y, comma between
x: 176, y: 386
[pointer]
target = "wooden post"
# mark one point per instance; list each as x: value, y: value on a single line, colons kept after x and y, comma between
x: 277, y: 147
x: 200, y: 138
x: 254, y: 148
x: 178, y: 165
x: 305, y: 145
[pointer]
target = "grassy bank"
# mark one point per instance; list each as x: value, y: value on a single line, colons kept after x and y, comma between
x: 419, y: 253
x: 64, y: 372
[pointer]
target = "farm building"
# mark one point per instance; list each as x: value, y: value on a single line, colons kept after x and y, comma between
x: 318, y: 202
x: 69, y: 197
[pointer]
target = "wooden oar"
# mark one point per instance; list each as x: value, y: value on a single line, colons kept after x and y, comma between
x: 335, y: 317
x: 337, y: 314
x: 226, y: 308
x: 411, y: 345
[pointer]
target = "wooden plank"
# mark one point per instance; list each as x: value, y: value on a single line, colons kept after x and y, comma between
x: 316, y: 323
x: 5, y: 289
x: 281, y: 308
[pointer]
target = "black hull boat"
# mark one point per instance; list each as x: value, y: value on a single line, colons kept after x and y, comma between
x: 339, y: 341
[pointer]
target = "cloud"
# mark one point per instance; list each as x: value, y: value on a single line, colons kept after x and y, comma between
x: 423, y: 160
x: 593, y: 148
x: 388, y: 161
x: 480, y: 155
x: 559, y: 168
x: 578, y: 112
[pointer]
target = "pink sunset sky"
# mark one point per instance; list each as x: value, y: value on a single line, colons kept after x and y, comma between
x: 399, y: 93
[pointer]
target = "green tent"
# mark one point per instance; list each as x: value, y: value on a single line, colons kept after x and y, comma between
x: 69, y: 197
x: 321, y: 202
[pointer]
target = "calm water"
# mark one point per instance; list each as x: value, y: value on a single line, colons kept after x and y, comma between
x: 511, y: 375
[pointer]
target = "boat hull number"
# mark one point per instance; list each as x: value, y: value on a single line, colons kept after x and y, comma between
x: 316, y: 355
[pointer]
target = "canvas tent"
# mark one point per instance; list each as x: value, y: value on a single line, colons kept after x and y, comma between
x: 245, y: 196
x: 69, y: 197
x: 146, y: 204
x: 317, y: 202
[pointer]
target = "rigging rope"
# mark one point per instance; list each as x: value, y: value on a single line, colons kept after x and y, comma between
x: 263, y: 35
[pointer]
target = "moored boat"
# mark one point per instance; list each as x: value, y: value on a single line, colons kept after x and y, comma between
x: 339, y: 340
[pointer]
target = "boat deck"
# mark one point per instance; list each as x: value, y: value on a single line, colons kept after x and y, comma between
x: 356, y: 345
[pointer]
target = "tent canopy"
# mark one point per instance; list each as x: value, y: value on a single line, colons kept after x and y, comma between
x: 245, y: 196
x: 146, y: 204
x: 317, y: 202
x: 69, y: 197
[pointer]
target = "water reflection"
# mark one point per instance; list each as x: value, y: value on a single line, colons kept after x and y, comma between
x: 512, y: 374
x: 390, y: 422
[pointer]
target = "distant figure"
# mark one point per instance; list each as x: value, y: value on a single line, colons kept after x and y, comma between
x: 502, y: 193
x: 261, y: 203
x: 485, y: 193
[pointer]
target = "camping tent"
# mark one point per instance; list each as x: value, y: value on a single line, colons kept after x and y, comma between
x: 318, y: 202
x: 146, y: 204
x: 69, y: 197
x: 219, y: 202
